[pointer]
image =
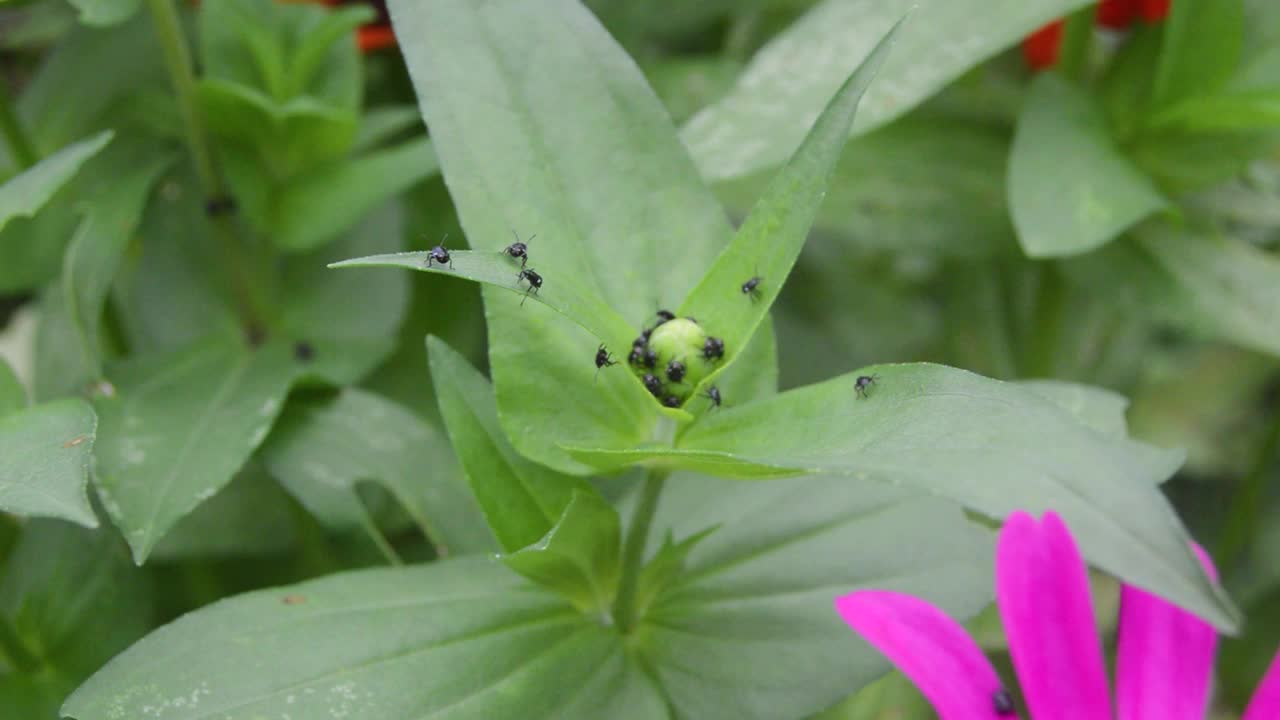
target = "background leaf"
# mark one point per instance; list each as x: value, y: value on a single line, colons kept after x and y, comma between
x: 605, y: 184
x: 25, y: 194
x: 178, y: 428
x: 321, y: 205
x: 13, y: 396
x: 787, y: 83
x: 44, y: 460
x: 323, y: 447
x: 459, y: 638
x: 1201, y: 49
x: 106, y: 12
x: 1070, y: 189
x: 520, y: 499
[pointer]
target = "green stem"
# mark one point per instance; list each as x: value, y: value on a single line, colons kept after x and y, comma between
x: 24, y: 153
x: 1077, y: 40
x: 1042, y: 346
x: 13, y: 650
x: 624, y: 607
x: 1242, y: 515
x: 177, y: 57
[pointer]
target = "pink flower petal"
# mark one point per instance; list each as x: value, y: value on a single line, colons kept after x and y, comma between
x: 1042, y: 587
x: 930, y: 648
x: 1265, y: 704
x: 1165, y: 657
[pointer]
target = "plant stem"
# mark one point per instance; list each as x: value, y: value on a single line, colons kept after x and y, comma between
x: 13, y: 650
x: 1242, y: 515
x: 177, y: 57
x: 1042, y: 346
x: 624, y: 607
x: 15, y: 135
x: 1077, y: 41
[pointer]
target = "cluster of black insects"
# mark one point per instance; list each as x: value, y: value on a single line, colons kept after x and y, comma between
x: 641, y: 355
x: 518, y: 249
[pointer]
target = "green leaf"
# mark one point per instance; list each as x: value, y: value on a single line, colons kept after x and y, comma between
x: 604, y: 183
x: 96, y: 251
x: 747, y: 631
x: 521, y: 500
x: 44, y: 460
x: 1218, y: 288
x: 179, y: 426
x: 761, y: 122
x: 920, y: 183
x: 564, y: 295
x: 377, y: 125
x: 667, y: 566
x: 1095, y: 407
x: 892, y: 696
x: 63, y: 584
x: 13, y: 396
x: 1201, y: 50
x: 251, y: 516
x: 770, y: 239
x: 105, y: 12
x: 314, y: 209
x: 322, y: 448
x: 916, y: 427
x: 25, y: 194
x: 463, y: 638
x: 349, y: 319
x: 1234, y: 112
x: 1070, y: 188
x: 579, y: 557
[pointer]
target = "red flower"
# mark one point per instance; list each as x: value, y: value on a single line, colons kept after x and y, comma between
x: 1117, y: 14
x: 1154, y: 10
x: 1041, y: 47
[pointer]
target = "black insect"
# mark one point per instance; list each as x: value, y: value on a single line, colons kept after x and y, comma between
x: 652, y: 384
x: 1002, y: 701
x: 604, y: 358
x: 713, y: 394
x: 665, y: 316
x: 644, y: 334
x: 439, y: 254
x: 519, y: 250
x: 535, y: 282
x: 713, y: 348
x: 303, y: 351
x: 671, y: 401
x: 220, y: 205
x: 752, y: 288
x: 863, y: 384
x: 650, y: 359
x: 639, y: 343
x: 675, y: 371
x: 637, y: 356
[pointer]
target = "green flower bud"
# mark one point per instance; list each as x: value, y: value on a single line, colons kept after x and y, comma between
x: 679, y: 364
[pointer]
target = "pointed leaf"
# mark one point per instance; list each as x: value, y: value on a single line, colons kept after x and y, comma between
x: 564, y: 295
x: 991, y: 446
x: 767, y: 244
x: 106, y: 12
x: 322, y: 448
x: 666, y: 567
x: 763, y: 119
x: 579, y: 557
x: 1201, y: 49
x: 464, y: 638
x: 45, y: 452
x: 25, y: 194
x: 520, y: 499
x: 179, y: 426
x: 1070, y: 188
x: 545, y: 127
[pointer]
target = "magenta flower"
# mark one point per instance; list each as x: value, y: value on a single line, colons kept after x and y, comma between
x: 1164, y: 659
